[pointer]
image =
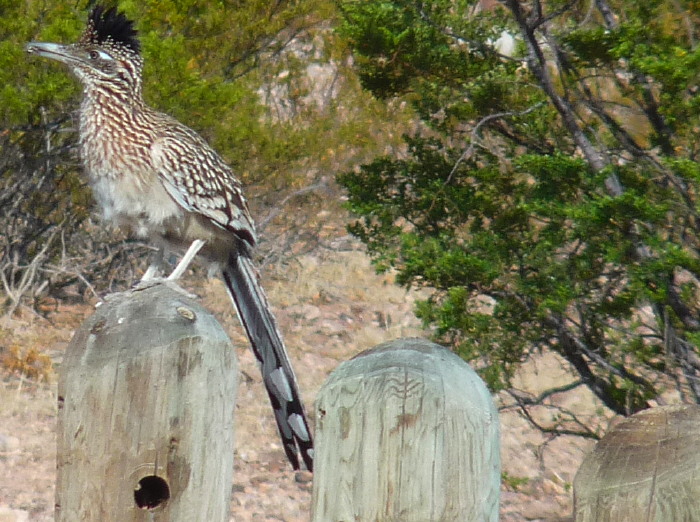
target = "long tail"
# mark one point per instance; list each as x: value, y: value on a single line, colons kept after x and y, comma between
x: 243, y: 285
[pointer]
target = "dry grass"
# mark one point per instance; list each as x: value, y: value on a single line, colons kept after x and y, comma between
x: 371, y: 306
x: 27, y: 449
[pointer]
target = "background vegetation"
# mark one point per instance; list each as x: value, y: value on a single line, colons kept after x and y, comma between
x: 550, y: 199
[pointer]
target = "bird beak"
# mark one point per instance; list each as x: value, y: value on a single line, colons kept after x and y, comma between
x: 50, y: 50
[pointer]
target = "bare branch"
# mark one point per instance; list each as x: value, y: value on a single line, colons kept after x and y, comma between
x: 476, y: 135
x: 316, y: 187
x: 524, y: 405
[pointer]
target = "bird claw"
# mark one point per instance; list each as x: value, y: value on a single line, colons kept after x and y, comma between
x: 170, y: 283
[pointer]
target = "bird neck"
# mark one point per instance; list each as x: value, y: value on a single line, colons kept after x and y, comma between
x: 117, y: 94
x: 107, y: 103
x: 106, y: 114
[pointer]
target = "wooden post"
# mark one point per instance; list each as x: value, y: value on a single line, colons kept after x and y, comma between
x: 146, y: 400
x: 647, y: 468
x: 406, y: 431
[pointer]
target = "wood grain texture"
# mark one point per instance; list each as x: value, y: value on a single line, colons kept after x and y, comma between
x: 647, y: 468
x: 147, y: 388
x: 406, y: 432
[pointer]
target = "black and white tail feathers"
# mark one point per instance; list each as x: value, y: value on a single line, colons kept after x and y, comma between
x: 243, y: 285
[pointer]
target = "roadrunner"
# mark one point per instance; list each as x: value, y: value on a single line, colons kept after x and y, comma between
x: 159, y: 178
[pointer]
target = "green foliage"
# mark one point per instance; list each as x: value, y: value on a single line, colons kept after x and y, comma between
x: 499, y: 211
x: 512, y: 482
x: 24, y: 89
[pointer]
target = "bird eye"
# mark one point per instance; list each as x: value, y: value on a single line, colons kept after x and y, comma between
x: 94, y: 55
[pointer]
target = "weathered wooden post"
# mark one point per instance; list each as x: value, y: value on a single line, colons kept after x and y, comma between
x: 406, y: 432
x: 647, y: 468
x: 146, y: 401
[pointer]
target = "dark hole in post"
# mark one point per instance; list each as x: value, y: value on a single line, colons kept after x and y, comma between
x: 151, y: 492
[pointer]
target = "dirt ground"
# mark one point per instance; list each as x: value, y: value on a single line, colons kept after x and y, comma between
x: 330, y: 307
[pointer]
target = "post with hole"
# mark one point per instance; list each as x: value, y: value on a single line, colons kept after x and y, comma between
x: 406, y: 431
x: 146, y: 404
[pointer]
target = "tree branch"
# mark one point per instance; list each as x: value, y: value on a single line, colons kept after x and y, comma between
x: 476, y: 135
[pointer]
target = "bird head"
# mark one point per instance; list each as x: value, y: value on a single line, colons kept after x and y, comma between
x: 107, y: 56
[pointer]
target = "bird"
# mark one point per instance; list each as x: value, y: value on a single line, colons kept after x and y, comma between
x: 160, y: 179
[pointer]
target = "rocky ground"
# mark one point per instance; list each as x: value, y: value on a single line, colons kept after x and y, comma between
x: 330, y: 307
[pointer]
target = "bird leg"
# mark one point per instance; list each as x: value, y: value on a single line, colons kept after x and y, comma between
x: 155, y: 267
x: 150, y: 277
x: 195, y: 247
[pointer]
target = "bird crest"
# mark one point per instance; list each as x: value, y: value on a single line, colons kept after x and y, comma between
x: 111, y: 28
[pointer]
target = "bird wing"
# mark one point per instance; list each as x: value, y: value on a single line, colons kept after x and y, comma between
x: 199, y: 181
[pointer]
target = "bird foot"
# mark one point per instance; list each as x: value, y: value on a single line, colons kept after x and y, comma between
x: 170, y: 283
